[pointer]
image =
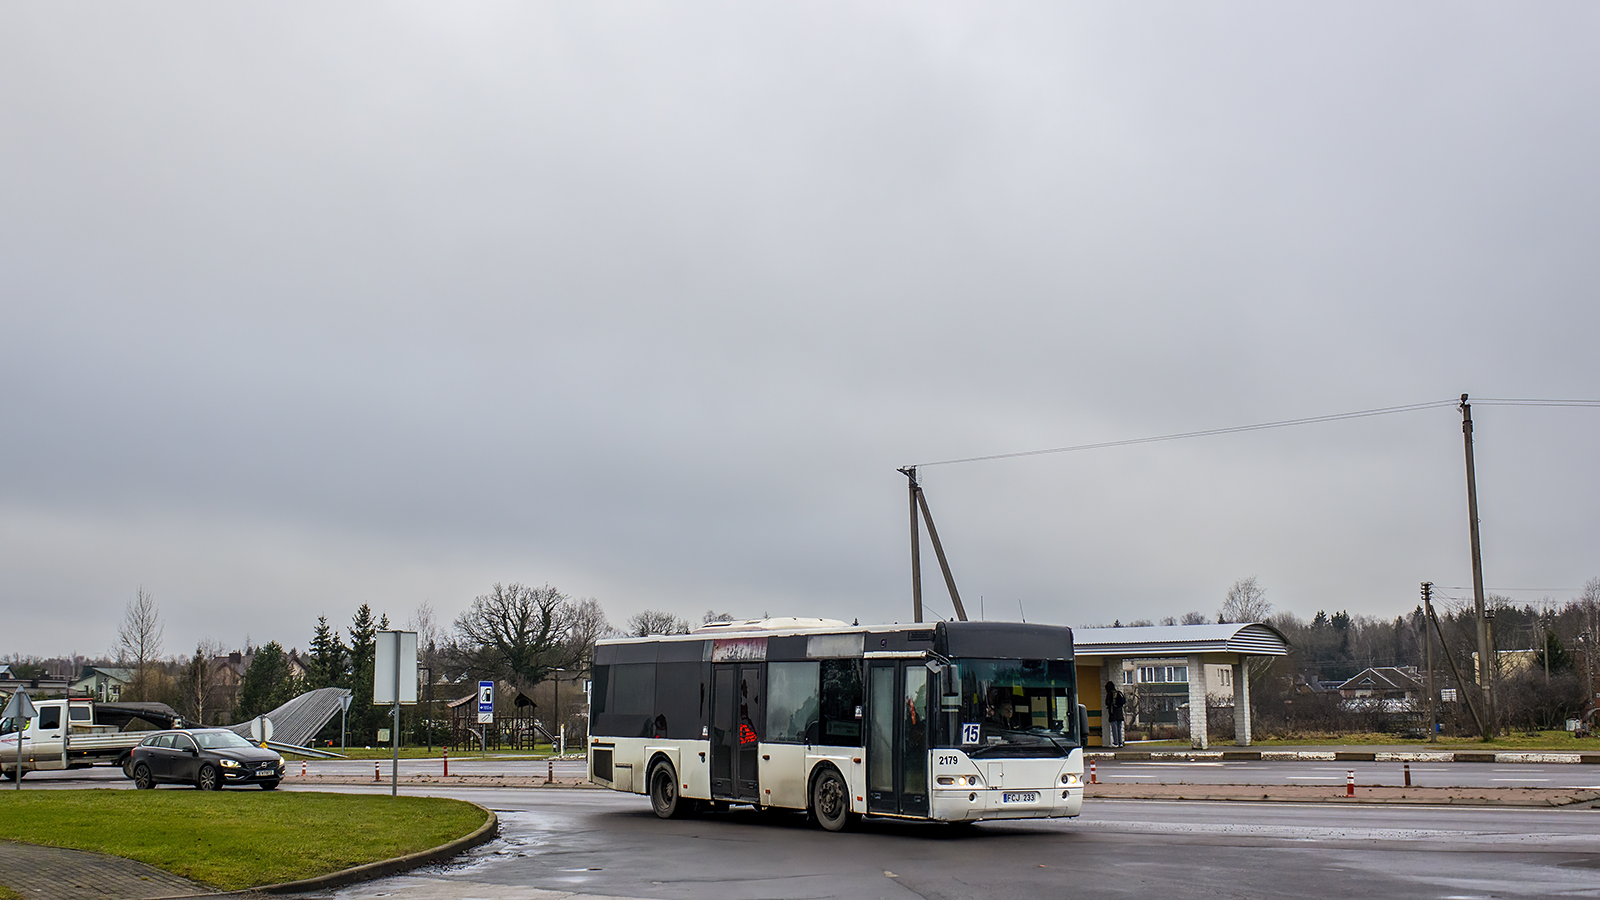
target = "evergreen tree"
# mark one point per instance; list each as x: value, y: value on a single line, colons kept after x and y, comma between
x: 364, y: 719
x: 330, y: 658
x: 268, y: 683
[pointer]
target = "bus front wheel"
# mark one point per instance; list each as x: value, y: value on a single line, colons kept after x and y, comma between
x: 664, y: 798
x: 830, y: 800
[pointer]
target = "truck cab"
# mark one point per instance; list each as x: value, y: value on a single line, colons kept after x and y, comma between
x: 77, y: 733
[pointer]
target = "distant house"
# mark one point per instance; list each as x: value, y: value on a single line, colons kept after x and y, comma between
x: 229, y: 669
x: 103, y: 683
x: 1384, y: 683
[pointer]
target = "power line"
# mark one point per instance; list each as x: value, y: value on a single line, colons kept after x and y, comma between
x: 1515, y: 402
x: 1286, y: 423
x: 1309, y: 420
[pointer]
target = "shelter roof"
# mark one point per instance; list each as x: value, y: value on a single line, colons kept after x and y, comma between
x: 1249, y: 639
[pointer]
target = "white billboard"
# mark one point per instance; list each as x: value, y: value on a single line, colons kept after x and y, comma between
x: 395, y: 665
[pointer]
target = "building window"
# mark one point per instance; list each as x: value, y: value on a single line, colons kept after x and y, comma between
x: 1127, y: 676
x: 1224, y: 677
x: 1163, y: 674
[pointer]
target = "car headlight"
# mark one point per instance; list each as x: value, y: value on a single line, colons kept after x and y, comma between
x: 231, y: 764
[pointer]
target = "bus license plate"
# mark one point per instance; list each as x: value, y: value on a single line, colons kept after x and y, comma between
x: 1020, y: 797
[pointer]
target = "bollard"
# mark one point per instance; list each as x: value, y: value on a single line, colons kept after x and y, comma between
x: 376, y: 775
x: 302, y: 768
x: 1350, y: 783
x: 1093, y: 778
x: 549, y: 772
x: 446, y: 762
x: 1408, y: 774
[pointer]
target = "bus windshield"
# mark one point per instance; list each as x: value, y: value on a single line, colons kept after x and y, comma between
x: 1010, y: 707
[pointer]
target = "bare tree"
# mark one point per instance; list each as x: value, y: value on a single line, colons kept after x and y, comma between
x: 1194, y: 617
x: 139, y: 643
x: 714, y: 616
x: 430, y: 637
x: 520, y: 634
x: 588, y: 625
x: 200, y: 685
x: 655, y: 621
x: 1246, y: 602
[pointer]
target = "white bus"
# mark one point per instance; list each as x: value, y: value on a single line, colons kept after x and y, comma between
x: 950, y: 722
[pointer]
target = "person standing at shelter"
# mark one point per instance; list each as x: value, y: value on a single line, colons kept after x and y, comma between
x: 1116, y: 702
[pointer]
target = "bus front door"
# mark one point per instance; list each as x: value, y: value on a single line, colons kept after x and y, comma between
x: 738, y: 715
x: 897, y: 737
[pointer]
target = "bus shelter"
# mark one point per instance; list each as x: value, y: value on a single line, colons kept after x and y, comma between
x: 1185, y: 662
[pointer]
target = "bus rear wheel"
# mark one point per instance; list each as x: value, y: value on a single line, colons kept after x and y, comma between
x: 830, y: 800
x: 664, y: 798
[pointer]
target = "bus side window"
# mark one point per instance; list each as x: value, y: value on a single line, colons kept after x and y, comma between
x: 791, y: 701
x: 597, y: 689
x: 841, y: 703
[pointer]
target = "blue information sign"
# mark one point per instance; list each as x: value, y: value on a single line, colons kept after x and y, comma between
x: 485, y: 702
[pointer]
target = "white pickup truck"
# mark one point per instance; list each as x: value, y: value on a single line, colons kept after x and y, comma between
x: 96, y: 738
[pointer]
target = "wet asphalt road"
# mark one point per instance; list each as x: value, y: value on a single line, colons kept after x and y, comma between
x: 582, y: 843
x: 593, y: 843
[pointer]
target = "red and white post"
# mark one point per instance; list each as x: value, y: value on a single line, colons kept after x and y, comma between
x: 1350, y: 782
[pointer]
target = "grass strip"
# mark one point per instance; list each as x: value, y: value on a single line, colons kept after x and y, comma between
x: 236, y: 839
x: 8, y: 894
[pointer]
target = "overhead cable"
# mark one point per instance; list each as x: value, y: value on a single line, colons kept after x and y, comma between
x: 1309, y: 420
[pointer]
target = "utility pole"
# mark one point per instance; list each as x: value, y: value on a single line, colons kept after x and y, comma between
x: 1427, y: 637
x: 920, y: 502
x: 916, y: 546
x: 1485, y: 664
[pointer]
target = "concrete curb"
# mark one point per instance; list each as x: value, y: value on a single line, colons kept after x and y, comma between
x: 380, y: 869
x: 1526, y: 798
x: 1423, y: 756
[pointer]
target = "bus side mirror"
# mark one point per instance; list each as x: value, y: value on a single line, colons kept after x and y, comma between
x: 1083, y: 725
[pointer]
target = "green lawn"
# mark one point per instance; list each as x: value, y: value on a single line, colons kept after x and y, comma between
x: 236, y: 839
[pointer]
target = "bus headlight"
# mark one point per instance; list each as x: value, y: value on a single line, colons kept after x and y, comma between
x: 1071, y: 780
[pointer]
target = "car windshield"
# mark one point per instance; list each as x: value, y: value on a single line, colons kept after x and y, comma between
x: 220, y: 740
x: 1010, y: 707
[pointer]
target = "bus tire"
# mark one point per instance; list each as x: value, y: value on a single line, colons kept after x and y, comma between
x: 664, y: 797
x: 830, y: 800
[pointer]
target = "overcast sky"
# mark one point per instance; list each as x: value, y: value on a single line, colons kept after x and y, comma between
x: 310, y: 305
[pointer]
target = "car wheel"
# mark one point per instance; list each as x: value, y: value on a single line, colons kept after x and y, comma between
x: 830, y: 800
x: 269, y: 785
x: 209, y: 780
x: 142, y: 779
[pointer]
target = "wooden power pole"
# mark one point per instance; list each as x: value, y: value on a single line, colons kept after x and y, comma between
x: 1485, y: 663
x: 920, y: 503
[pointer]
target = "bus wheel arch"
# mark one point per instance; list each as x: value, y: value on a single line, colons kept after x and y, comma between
x: 830, y: 798
x: 662, y: 784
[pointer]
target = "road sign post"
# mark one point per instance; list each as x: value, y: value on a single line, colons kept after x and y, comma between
x: 394, y: 681
x: 19, y: 708
x: 485, y: 712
